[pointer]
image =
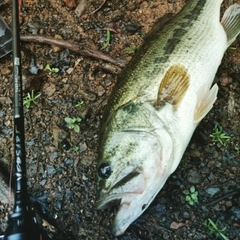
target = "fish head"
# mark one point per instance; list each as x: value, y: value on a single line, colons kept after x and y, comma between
x: 133, y: 166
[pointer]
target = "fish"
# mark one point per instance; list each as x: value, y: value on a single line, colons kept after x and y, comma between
x: 158, y: 101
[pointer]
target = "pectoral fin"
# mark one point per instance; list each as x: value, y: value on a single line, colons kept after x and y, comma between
x: 231, y: 22
x: 205, y: 101
x: 173, y: 86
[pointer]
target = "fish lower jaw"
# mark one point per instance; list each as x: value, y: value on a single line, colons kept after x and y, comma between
x: 125, y: 216
x: 115, y: 199
x: 120, y: 225
x: 118, y: 231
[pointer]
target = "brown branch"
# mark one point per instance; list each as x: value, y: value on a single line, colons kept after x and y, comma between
x: 99, y: 6
x: 73, y: 47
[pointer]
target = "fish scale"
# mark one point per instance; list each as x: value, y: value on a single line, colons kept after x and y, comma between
x: 156, y: 104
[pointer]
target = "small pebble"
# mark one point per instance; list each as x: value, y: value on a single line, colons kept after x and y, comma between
x: 194, y: 177
x: 212, y: 191
x: 51, y: 170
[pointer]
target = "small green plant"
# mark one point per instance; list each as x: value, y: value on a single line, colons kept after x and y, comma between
x: 73, y: 123
x: 133, y: 48
x: 219, y: 136
x: 52, y: 70
x: 79, y: 104
x: 75, y: 148
x: 213, y: 228
x: 30, y: 98
x: 184, y: 162
x: 140, y: 38
x: 237, y: 149
x: 230, y: 48
x: 108, y: 39
x: 191, y: 195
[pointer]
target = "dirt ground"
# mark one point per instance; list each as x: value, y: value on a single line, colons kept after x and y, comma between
x: 61, y: 164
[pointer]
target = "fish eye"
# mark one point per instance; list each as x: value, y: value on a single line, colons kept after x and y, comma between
x: 104, y: 170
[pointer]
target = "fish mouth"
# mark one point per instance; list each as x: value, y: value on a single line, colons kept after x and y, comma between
x: 122, y: 191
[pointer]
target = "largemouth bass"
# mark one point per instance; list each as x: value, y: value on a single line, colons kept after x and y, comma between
x: 158, y: 101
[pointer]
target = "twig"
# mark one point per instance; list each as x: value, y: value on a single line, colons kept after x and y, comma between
x: 99, y: 7
x: 73, y: 47
x: 215, y: 201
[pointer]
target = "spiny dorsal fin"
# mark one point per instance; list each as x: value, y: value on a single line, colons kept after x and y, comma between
x: 205, y: 101
x: 231, y: 23
x: 174, y: 85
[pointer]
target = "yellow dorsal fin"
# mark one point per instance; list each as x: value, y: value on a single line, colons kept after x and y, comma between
x: 205, y: 101
x: 174, y: 85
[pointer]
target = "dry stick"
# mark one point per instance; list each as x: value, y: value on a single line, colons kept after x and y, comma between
x: 215, y: 201
x: 99, y: 6
x: 73, y: 47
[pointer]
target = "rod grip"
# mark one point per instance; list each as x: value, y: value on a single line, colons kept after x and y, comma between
x: 23, y: 227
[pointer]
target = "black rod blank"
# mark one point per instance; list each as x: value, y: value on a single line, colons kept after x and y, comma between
x: 19, y: 136
x: 22, y: 224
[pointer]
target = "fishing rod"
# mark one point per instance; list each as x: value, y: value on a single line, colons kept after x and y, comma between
x: 22, y: 223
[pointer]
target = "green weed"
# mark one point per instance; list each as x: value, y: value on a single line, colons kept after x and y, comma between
x: 73, y: 123
x: 79, y: 104
x: 213, y: 228
x: 52, y: 70
x: 108, y: 39
x: 75, y: 148
x: 237, y: 149
x: 219, y: 136
x: 29, y: 99
x: 191, y: 195
x: 133, y: 48
x: 230, y: 48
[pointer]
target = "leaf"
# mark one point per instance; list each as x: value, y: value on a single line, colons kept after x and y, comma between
x: 79, y: 104
x: 68, y: 120
x: 55, y: 70
x: 194, y: 196
x: 71, y: 125
x: 224, y: 229
x: 78, y: 119
x: 212, y: 223
x: 176, y: 225
x: 192, y: 189
x: 108, y: 39
x: 76, y: 128
x: 224, y: 237
x: 186, y: 192
x: 205, y: 223
x: 188, y: 198
x: 26, y: 103
x: 48, y: 67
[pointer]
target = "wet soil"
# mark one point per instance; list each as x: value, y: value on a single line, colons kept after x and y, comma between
x: 61, y: 164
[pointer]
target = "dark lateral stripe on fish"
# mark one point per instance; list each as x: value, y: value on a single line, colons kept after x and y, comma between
x: 178, y: 33
x: 172, y: 43
x: 195, y: 12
